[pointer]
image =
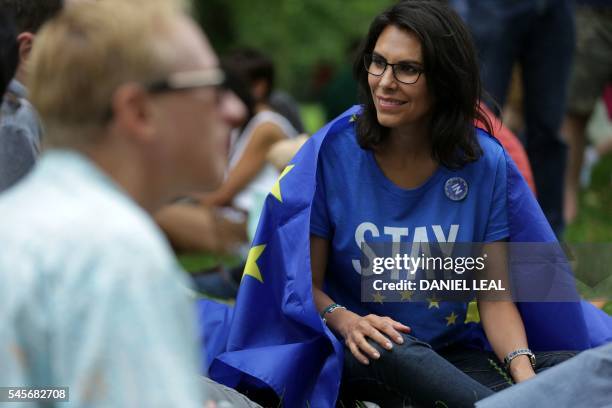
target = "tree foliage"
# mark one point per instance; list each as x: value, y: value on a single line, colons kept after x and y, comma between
x: 297, y: 34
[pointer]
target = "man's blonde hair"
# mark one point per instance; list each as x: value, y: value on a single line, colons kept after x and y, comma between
x: 81, y: 56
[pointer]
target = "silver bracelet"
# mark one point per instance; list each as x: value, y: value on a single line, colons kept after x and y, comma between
x: 330, y: 309
x: 519, y: 352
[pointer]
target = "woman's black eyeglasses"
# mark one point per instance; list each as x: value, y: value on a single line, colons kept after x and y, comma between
x: 403, y: 72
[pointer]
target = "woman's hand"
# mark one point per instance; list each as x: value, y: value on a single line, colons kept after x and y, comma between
x: 356, y: 329
x: 352, y: 327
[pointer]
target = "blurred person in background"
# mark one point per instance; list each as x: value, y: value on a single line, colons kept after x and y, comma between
x: 92, y: 297
x: 592, y: 71
x: 20, y: 128
x: 540, y: 36
x: 283, y: 103
x: 249, y: 174
x: 219, y: 222
x: 193, y: 227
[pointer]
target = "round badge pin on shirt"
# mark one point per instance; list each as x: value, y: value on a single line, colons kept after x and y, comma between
x: 456, y: 188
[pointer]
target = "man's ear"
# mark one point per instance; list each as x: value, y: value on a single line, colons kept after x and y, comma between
x: 25, y: 41
x: 132, y: 112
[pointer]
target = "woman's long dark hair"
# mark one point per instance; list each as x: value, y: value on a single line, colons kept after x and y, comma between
x: 453, y: 80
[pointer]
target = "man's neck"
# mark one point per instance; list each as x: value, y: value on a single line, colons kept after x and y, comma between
x: 20, y: 75
x: 132, y: 174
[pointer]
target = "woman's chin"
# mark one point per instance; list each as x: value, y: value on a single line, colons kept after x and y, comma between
x: 387, y: 120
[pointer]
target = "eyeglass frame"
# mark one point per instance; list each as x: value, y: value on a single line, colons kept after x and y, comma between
x: 387, y: 64
x: 183, y: 81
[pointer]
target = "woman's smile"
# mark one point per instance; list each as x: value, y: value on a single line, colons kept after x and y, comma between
x: 387, y: 103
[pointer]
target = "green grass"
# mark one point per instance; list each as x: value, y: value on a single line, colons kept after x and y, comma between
x: 594, y: 221
x: 197, y: 262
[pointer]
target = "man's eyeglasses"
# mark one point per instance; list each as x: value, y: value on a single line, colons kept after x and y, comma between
x: 182, y: 81
x: 185, y: 80
x: 403, y: 72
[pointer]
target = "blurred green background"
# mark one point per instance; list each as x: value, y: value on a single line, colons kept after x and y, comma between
x: 299, y: 35
x: 594, y: 221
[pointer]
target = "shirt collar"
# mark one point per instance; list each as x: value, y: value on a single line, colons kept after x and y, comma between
x: 68, y: 164
x: 18, y: 88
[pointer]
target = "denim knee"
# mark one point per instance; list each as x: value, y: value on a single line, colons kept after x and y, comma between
x: 411, y: 350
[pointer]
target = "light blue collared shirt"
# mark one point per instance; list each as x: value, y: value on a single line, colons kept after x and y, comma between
x: 91, y: 296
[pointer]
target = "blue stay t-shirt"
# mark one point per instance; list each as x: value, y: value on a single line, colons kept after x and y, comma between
x: 355, y: 202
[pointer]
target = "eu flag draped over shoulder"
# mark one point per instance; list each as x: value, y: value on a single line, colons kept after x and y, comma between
x: 274, y: 337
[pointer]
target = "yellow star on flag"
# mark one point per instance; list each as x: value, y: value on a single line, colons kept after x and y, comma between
x: 450, y: 320
x: 472, y: 315
x: 406, y: 295
x: 276, y: 190
x: 251, y: 268
x: 378, y: 297
x: 433, y: 302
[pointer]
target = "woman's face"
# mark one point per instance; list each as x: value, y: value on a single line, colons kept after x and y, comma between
x: 398, y: 104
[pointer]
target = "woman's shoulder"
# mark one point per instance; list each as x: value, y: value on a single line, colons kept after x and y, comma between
x: 342, y: 141
x: 339, y: 134
x: 267, y: 116
x: 271, y: 118
x: 492, y: 149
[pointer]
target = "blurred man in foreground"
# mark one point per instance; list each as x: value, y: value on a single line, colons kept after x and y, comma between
x: 91, y: 296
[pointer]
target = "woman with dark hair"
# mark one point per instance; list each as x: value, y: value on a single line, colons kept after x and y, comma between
x: 414, y: 169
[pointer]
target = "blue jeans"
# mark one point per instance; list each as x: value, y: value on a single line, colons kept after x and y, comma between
x: 539, y: 35
x: 413, y: 374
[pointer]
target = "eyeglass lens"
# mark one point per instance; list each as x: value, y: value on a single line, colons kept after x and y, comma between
x: 403, y: 72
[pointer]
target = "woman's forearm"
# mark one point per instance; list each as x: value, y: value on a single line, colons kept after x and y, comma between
x: 321, y: 299
x: 505, y: 331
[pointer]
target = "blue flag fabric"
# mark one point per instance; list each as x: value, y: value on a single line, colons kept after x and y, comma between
x: 274, y: 335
